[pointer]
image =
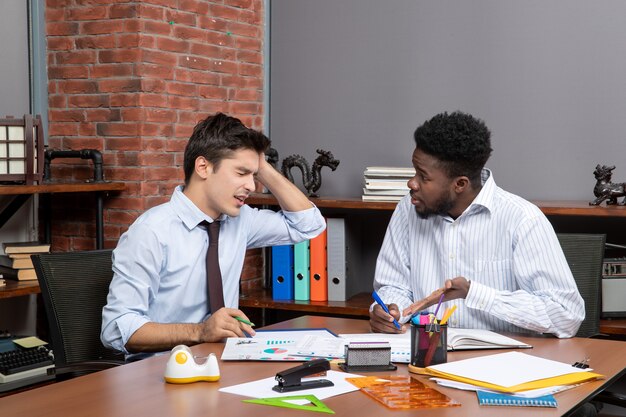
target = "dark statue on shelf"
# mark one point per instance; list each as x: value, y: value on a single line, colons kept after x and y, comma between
x: 605, y: 189
x: 272, y: 157
x: 311, y: 177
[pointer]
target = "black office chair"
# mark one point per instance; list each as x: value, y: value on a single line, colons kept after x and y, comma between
x: 74, y: 287
x: 585, y: 254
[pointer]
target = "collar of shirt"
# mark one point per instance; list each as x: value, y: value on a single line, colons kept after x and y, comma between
x: 485, y: 198
x: 187, y: 211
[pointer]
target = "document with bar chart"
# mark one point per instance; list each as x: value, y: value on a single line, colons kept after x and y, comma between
x: 273, y: 345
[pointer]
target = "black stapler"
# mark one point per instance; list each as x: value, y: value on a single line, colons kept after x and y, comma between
x: 291, y: 379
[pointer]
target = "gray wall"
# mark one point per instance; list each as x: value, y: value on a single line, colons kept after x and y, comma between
x: 14, y: 84
x: 548, y: 77
x: 17, y: 315
x: 15, y: 100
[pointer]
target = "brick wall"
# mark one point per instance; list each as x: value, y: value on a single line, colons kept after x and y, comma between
x: 131, y: 79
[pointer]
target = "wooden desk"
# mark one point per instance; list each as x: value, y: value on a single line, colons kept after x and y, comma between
x: 138, y: 388
x: 23, y: 192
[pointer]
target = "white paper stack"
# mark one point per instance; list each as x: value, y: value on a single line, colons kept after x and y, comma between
x: 386, y: 183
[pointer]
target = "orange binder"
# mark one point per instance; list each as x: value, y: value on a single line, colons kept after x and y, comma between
x: 319, y: 273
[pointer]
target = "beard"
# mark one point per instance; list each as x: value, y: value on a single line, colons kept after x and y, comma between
x: 441, y: 207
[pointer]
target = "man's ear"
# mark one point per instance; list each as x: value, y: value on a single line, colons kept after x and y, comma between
x: 461, y: 184
x: 203, y: 167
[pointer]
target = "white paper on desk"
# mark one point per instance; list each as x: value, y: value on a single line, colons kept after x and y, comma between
x: 507, y: 369
x: 400, y: 343
x: 263, y: 387
x: 320, y: 347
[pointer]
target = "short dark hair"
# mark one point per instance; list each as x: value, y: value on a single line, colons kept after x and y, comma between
x: 459, y: 141
x: 217, y: 137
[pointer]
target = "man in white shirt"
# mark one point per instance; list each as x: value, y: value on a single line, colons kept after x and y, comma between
x: 158, y: 296
x: 493, y: 254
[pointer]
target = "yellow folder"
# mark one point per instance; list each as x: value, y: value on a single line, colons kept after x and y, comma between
x: 510, y: 372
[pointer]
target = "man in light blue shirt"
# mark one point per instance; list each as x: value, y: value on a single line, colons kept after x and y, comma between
x: 158, y: 295
x: 494, y: 255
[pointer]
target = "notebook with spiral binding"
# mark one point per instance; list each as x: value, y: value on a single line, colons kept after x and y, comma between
x: 493, y: 398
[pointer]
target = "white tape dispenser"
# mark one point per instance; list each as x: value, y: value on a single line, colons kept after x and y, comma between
x: 182, y: 367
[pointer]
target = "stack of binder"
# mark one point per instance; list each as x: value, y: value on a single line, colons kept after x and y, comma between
x: 320, y: 269
x: 386, y: 183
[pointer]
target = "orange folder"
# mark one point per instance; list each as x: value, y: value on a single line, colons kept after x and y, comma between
x: 319, y: 273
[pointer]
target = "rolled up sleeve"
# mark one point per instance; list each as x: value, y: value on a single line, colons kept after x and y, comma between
x: 135, y: 283
x: 269, y: 228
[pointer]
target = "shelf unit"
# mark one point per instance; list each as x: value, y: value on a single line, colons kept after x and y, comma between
x: 358, y: 306
x: 21, y: 193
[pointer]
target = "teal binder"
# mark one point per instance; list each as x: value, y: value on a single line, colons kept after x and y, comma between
x: 301, y: 269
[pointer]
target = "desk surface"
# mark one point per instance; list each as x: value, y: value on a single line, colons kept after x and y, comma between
x: 138, y: 388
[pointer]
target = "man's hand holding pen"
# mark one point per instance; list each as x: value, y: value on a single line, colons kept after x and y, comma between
x: 382, y: 322
x: 383, y: 316
x: 453, y: 288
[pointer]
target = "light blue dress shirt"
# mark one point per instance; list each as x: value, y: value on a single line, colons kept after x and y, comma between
x: 159, y: 264
x: 502, y: 243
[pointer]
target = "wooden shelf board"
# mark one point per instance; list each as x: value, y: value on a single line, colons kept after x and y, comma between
x: 19, y: 288
x: 61, y: 188
x: 549, y: 208
x: 357, y: 306
x: 327, y: 202
x: 613, y: 326
x: 579, y: 208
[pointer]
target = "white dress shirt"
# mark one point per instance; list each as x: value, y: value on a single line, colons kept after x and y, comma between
x: 503, y: 244
x: 159, y: 264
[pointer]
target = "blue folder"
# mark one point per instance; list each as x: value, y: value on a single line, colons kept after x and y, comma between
x: 495, y: 398
x: 282, y: 272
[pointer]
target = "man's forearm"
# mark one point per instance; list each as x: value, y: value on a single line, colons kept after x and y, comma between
x: 289, y: 197
x: 157, y: 337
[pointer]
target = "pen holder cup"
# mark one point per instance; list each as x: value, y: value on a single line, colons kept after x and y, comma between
x: 429, y: 344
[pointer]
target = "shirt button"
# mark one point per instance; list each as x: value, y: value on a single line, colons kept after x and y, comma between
x: 454, y: 322
x: 452, y: 256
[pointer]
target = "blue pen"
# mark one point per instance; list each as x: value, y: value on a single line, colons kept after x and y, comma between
x: 380, y: 303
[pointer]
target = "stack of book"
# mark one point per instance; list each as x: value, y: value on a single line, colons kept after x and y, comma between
x: 386, y: 183
x: 20, y: 264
